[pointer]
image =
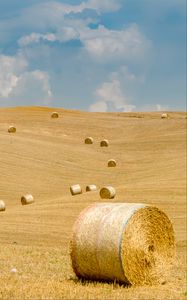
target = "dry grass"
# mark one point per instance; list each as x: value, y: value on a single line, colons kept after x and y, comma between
x: 45, y: 273
x: 43, y: 160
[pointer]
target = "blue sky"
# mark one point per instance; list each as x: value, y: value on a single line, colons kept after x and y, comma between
x: 109, y: 55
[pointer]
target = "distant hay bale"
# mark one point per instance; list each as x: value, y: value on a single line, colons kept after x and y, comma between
x: 12, y: 129
x: 2, y: 205
x: 111, y: 163
x: 54, y: 115
x: 104, y: 143
x: 164, y: 116
x: 89, y: 140
x: 107, y: 192
x: 27, y: 199
x: 13, y: 271
x: 91, y: 188
x: 75, y: 189
x: 131, y: 243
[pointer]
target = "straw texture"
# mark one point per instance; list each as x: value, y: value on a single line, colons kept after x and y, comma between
x: 127, y: 242
x: 75, y: 189
x: 54, y: 115
x: 91, y: 187
x: 111, y: 163
x: 104, y: 143
x: 12, y: 129
x: 27, y: 199
x: 107, y: 192
x: 89, y: 140
x: 2, y: 205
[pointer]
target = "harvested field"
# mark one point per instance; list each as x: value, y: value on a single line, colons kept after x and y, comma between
x: 45, y: 160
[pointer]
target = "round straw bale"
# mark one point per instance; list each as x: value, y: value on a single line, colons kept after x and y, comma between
x: 2, y: 205
x: 91, y: 187
x: 13, y: 271
x: 164, y: 116
x: 54, y: 115
x: 89, y: 140
x: 75, y: 189
x: 104, y: 143
x: 111, y: 163
x: 27, y: 199
x: 131, y: 243
x: 107, y: 192
x: 12, y: 129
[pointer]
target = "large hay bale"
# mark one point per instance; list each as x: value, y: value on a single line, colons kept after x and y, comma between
x: 164, y: 116
x: 75, y: 189
x: 107, y: 192
x: 27, y: 199
x: 54, y: 115
x: 12, y: 129
x: 2, y: 205
x: 91, y: 188
x: 89, y: 140
x: 111, y: 163
x: 126, y: 242
x: 104, y: 143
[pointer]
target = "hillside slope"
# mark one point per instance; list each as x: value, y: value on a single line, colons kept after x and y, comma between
x: 45, y: 156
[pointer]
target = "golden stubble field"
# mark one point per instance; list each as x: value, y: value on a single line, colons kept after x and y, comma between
x: 45, y: 156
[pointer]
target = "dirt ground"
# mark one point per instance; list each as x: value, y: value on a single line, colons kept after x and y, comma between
x: 45, y: 156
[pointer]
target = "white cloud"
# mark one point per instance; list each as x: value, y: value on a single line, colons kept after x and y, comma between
x: 51, y: 14
x: 99, y: 106
x: 128, y: 107
x: 124, y: 73
x: 36, y: 38
x: 10, y: 70
x: 64, y: 33
x: 104, y: 5
x: 58, y: 9
x: 111, y: 92
x: 111, y: 98
x: 33, y: 86
x: 16, y: 81
x: 105, y: 44
x: 102, y: 44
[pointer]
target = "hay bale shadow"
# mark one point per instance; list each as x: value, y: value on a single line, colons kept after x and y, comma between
x: 82, y: 281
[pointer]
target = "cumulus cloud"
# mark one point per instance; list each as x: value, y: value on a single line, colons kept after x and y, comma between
x: 42, y: 29
x: 99, y: 106
x: 52, y: 21
x: 105, y: 44
x: 10, y: 70
x: 66, y: 32
x: 63, y: 9
x: 55, y: 21
x: 36, y: 38
x: 101, y: 43
x: 104, y: 5
x: 51, y: 14
x: 111, y: 98
x: 33, y: 86
x: 16, y: 81
x: 123, y: 73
